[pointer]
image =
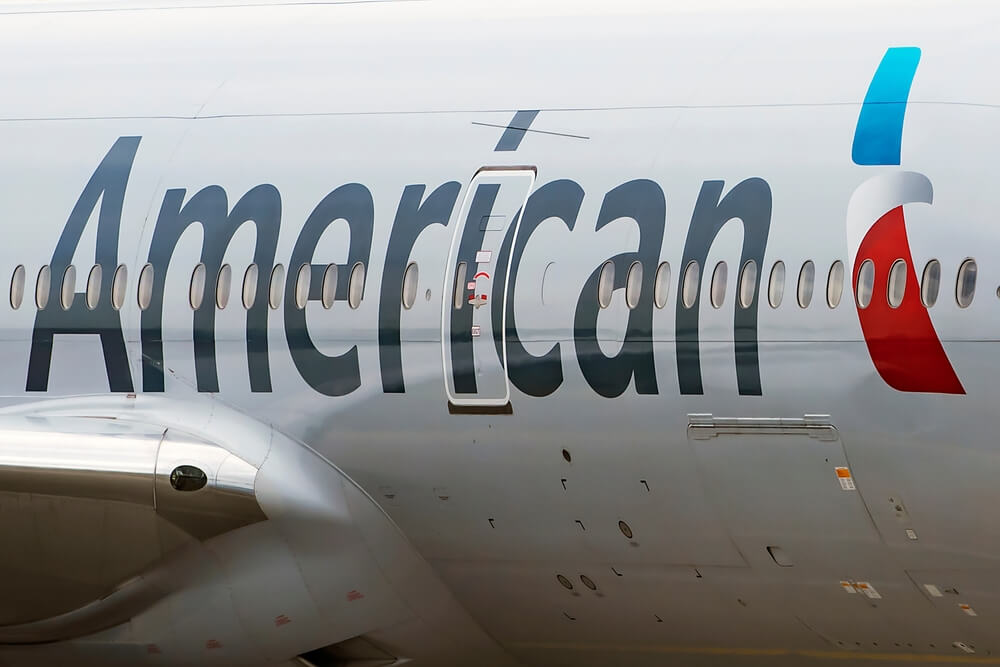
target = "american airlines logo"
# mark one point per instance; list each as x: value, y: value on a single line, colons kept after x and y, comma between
x: 902, y: 342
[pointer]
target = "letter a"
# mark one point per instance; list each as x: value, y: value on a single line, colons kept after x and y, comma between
x: 107, y: 185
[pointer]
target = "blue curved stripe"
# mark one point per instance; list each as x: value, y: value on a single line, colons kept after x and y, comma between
x: 879, y: 135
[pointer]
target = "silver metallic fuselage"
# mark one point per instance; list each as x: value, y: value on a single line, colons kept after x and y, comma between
x: 693, y: 478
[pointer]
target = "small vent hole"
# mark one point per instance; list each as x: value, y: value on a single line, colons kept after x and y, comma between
x: 626, y: 529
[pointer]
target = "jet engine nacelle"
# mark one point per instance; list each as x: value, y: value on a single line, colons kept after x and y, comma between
x: 176, y: 532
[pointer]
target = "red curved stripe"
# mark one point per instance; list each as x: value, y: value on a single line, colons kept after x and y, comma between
x: 902, y: 342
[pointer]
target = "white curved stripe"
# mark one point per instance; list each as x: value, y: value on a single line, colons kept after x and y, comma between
x: 876, y: 197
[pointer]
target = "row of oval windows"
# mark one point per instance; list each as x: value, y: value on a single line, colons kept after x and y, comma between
x: 930, y: 284
x: 196, y: 292
x: 864, y: 290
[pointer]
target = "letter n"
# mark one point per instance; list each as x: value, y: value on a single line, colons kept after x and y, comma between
x: 750, y: 201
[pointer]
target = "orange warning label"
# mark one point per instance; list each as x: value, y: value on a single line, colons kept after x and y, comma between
x: 967, y: 609
x: 845, y: 479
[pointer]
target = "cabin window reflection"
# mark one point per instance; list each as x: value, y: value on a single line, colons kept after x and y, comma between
x: 42, y: 285
x: 17, y: 287
x: 249, y: 296
x: 196, y: 293
x: 633, y: 285
x: 661, y: 285
x: 896, y: 287
x: 866, y: 283
x: 144, y: 293
x: 690, y: 284
x: 223, y: 286
x: 302, y: 283
x: 930, y: 283
x: 408, y: 294
x: 94, y: 286
x: 807, y: 278
x: 461, y: 272
x: 356, y: 285
x: 835, y: 284
x: 67, y: 289
x: 277, y: 286
x: 606, y: 284
x: 965, y: 289
x: 718, y: 288
x: 329, y: 286
x: 119, y: 286
x: 776, y: 285
x: 748, y: 283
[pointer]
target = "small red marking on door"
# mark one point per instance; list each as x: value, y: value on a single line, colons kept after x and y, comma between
x: 153, y: 649
x: 354, y: 595
x: 281, y: 620
x: 213, y: 644
x: 481, y: 274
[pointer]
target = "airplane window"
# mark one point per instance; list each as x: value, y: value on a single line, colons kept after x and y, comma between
x: 807, y: 276
x: 748, y: 283
x: 965, y: 289
x: 94, y: 286
x: 119, y: 284
x: 835, y: 284
x: 719, y: 277
x: 897, y: 283
x: 776, y: 285
x: 329, y: 286
x: 196, y: 293
x: 633, y: 285
x: 661, y: 285
x: 930, y: 283
x: 409, y: 295
x: 277, y: 287
x: 17, y: 287
x: 689, y: 286
x: 460, y: 272
x: 42, y: 285
x: 223, y: 286
x: 356, y: 285
x: 606, y: 284
x: 68, y: 287
x: 250, y: 286
x: 144, y: 294
x: 302, y: 281
x: 866, y: 283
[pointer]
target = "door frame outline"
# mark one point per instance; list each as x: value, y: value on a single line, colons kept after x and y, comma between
x: 448, y: 295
